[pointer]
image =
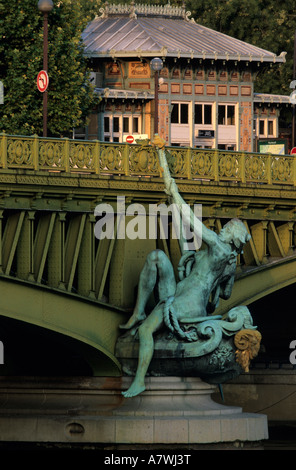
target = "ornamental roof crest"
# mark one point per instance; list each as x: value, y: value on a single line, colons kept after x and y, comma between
x: 133, y: 10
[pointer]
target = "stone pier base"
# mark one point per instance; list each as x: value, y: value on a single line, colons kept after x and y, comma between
x: 172, y: 410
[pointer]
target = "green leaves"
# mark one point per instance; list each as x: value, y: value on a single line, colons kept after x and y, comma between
x: 70, y: 95
x: 264, y: 23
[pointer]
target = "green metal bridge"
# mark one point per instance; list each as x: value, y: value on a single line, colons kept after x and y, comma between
x: 56, y: 275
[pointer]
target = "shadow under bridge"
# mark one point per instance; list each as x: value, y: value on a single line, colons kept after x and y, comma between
x: 91, y: 327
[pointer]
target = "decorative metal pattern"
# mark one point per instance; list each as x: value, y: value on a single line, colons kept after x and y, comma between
x: 146, y: 10
x: 141, y: 160
x: 19, y: 152
x: 202, y: 164
x: 82, y: 157
x: 230, y: 166
x: 178, y: 162
x: 51, y: 154
x: 112, y: 159
x: 282, y: 169
x: 256, y: 168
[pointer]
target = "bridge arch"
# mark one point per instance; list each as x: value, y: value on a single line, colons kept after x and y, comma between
x: 93, y: 324
x: 260, y: 281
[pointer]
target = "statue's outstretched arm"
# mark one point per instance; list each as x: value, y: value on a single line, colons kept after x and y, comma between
x: 188, y: 216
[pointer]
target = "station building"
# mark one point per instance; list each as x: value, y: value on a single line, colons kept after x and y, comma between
x: 205, y: 89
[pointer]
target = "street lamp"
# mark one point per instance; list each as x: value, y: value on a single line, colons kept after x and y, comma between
x: 156, y: 65
x: 45, y: 6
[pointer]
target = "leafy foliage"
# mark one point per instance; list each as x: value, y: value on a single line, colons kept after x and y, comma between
x: 70, y: 94
x: 264, y: 23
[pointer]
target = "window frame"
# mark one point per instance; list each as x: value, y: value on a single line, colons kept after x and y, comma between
x: 179, y: 113
x: 203, y: 114
x: 128, y: 119
x: 226, y: 116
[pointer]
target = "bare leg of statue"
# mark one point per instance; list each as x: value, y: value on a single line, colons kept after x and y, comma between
x: 157, y: 263
x: 146, y: 349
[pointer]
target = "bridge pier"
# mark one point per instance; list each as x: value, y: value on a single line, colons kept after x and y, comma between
x: 172, y: 411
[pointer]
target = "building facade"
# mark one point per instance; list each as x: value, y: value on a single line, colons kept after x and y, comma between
x: 205, y: 87
x: 268, y: 129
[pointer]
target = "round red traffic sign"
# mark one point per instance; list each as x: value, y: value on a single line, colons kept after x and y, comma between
x: 293, y: 150
x: 42, y: 81
x: 130, y: 139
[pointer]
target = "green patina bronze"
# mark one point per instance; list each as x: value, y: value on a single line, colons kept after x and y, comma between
x: 185, y: 307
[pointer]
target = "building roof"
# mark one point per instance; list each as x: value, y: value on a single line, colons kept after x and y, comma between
x: 150, y: 30
x: 269, y: 98
x: 124, y: 94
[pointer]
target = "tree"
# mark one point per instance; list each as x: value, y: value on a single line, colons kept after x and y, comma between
x: 264, y: 23
x: 70, y: 94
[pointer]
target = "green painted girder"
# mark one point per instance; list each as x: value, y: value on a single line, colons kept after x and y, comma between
x: 93, y: 324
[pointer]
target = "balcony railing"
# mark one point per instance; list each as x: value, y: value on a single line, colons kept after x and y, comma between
x: 104, y: 158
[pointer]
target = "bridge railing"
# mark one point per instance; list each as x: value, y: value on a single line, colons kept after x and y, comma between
x: 95, y: 157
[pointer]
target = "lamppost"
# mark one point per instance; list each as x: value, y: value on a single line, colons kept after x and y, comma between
x: 156, y: 65
x: 45, y: 6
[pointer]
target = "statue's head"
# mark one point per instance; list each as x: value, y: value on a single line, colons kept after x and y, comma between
x: 235, y: 232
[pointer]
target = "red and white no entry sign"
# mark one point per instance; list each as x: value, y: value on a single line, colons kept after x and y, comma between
x: 130, y: 139
x: 42, y: 81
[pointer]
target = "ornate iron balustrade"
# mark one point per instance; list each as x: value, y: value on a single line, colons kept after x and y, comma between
x: 94, y: 157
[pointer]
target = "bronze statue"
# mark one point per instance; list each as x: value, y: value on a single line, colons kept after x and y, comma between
x: 192, y: 298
